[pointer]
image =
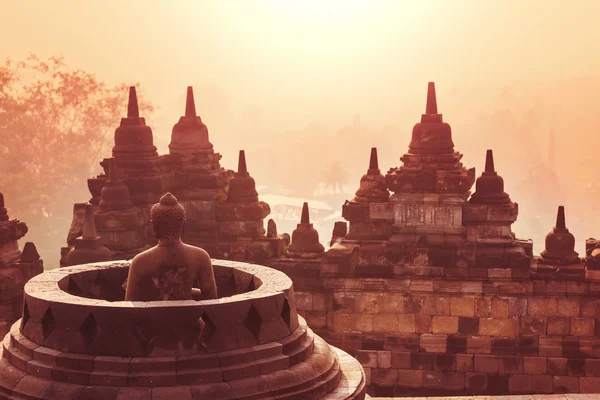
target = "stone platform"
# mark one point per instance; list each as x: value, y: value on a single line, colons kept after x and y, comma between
x: 523, y: 397
x: 78, y: 339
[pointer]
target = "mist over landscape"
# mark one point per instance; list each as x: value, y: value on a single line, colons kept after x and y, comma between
x: 307, y: 89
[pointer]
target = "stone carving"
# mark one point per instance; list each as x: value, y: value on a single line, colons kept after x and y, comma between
x: 88, y: 247
x: 16, y: 267
x: 168, y: 270
x: 250, y: 345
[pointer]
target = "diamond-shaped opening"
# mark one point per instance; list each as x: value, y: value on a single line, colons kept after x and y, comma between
x: 229, y: 288
x: 253, y: 321
x: 286, y: 312
x: 89, y: 329
x: 251, y: 286
x: 143, y: 333
x: 207, y: 330
x: 25, y: 317
x: 105, y: 289
x: 74, y: 289
x: 48, y: 323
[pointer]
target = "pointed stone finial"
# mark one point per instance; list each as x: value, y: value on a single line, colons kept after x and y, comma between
x: 112, y: 171
x: 3, y: 211
x: 560, y: 243
x: 560, y: 218
x: 30, y: 253
x: 271, y: 229
x: 431, y: 99
x: 489, y: 162
x: 132, y: 107
x: 89, y: 226
x: 190, y: 105
x: 242, y: 162
x: 373, y: 162
x: 305, y: 238
x: 305, y: 219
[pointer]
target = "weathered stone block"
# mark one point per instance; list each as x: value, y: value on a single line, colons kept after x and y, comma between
x: 385, y: 323
x: 479, y: 345
x: 533, y: 326
x: 464, y: 362
x: 355, y: 211
x: 568, y: 307
x: 462, y: 306
x: 410, y: 378
x: 550, y: 347
x: 406, y: 323
x: 384, y: 359
x: 498, y: 327
x: 366, y: 358
x: 443, y: 324
x: 542, y: 384
x: 433, y: 343
x: 422, y: 323
x: 486, y: 363
x: 382, y: 211
x: 520, y: 384
x: 473, y: 213
x: 384, y: 377
x: 558, y: 326
x: 582, y: 327
x: 534, y: 365
x: 364, y: 323
x: 368, y: 303
x: 504, y: 213
x: 344, y: 322
x: 499, y: 308
x: 542, y: 306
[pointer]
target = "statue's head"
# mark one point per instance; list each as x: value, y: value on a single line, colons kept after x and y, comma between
x: 168, y: 218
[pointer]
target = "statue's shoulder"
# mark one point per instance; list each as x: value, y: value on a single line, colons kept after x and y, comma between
x: 144, y: 256
x: 197, y: 253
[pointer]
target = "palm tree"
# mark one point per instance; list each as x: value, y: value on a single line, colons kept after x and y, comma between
x: 335, y: 177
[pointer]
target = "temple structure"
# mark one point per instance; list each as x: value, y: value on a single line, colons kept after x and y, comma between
x: 16, y: 267
x: 431, y: 291
x: 224, y: 214
x: 424, y: 282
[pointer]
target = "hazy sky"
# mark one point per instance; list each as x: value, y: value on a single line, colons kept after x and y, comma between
x: 310, y: 59
x: 280, y: 65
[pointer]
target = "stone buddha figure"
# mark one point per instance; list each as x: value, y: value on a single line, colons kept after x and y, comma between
x: 170, y: 270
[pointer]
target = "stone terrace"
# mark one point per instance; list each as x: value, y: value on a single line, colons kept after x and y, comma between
x: 431, y: 291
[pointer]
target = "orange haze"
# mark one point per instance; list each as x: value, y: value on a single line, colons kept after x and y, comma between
x: 268, y: 73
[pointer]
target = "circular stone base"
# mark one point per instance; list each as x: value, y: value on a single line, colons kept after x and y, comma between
x: 79, y: 340
x: 36, y: 372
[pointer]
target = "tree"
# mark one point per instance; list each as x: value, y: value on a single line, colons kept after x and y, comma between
x: 55, y: 126
x: 335, y: 177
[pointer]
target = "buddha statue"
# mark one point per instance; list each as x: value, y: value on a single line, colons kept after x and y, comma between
x: 170, y: 270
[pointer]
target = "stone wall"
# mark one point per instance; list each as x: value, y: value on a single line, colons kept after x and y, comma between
x: 438, y: 335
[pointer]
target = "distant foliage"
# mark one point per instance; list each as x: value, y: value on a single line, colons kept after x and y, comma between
x: 56, y: 124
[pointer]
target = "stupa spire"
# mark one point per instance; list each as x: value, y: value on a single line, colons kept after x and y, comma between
x: 489, y: 162
x: 305, y: 219
x: 190, y: 105
x: 305, y: 238
x: 373, y: 161
x: 88, y: 247
x: 560, y: 243
x: 112, y: 171
x: 89, y: 226
x: 132, y: 107
x: 431, y: 99
x: 242, y: 169
x: 3, y: 211
x: 560, y: 218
